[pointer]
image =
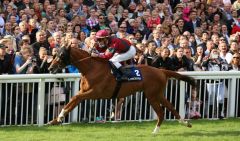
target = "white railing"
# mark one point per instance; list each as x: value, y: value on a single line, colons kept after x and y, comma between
x: 23, y: 100
x: 37, y: 98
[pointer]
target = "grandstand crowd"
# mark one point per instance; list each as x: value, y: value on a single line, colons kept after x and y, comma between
x: 180, y: 35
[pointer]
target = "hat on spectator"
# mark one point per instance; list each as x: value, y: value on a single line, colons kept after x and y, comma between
x: 179, y: 6
x: 2, y: 46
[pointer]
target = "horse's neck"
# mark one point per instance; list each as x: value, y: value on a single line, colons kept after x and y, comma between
x: 87, y: 65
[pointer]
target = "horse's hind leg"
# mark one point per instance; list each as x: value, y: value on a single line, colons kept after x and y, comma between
x: 170, y: 107
x: 159, y: 111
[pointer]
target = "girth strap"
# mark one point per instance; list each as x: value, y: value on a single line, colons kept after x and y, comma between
x: 117, y: 88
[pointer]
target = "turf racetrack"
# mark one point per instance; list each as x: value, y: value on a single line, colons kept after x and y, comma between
x: 202, y: 130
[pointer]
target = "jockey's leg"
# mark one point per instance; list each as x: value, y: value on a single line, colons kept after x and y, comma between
x: 116, y: 59
x: 116, y: 71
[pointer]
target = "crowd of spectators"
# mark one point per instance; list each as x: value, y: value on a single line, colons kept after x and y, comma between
x: 179, y: 35
x: 187, y: 35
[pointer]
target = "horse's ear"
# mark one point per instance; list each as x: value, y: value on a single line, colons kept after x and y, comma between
x: 66, y: 46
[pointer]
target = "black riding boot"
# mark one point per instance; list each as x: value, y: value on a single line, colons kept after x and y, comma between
x: 116, y: 72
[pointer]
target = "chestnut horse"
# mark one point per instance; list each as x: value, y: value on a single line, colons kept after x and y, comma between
x: 97, y: 82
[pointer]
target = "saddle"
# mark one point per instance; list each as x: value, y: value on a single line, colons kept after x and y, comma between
x: 129, y: 73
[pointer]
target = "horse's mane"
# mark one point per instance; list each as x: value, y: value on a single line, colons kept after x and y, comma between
x: 87, y: 55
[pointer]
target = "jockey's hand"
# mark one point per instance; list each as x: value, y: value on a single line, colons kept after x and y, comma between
x: 93, y: 54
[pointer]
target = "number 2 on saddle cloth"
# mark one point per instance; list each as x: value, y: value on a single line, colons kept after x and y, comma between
x: 130, y: 73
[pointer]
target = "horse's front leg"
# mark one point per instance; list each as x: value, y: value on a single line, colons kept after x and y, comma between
x: 75, y: 100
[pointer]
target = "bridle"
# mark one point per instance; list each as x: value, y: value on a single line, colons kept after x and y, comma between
x: 66, y: 60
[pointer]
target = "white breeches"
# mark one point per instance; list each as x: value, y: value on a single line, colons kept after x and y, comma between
x: 123, y: 56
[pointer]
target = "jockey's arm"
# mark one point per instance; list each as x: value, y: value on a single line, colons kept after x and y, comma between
x: 108, y: 53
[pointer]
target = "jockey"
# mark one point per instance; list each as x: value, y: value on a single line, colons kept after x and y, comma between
x: 116, y: 50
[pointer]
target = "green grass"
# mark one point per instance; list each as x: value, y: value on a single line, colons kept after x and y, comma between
x: 202, y: 130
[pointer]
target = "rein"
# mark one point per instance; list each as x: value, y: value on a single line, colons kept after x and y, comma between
x: 86, y: 58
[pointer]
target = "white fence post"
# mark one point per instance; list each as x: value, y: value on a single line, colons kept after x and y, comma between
x: 182, y: 99
x: 232, y: 100
x: 74, y: 113
x: 41, y: 98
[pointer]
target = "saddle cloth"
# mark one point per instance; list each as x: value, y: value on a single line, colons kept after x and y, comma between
x: 131, y: 73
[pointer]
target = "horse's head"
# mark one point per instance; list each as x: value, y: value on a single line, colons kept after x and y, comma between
x: 61, y: 60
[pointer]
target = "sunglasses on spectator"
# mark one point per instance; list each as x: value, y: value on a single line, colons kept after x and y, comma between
x: 123, y: 27
x: 236, y: 57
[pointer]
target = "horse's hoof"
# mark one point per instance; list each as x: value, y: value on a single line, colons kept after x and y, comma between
x: 185, y: 123
x: 156, y: 130
x: 54, y: 122
x: 189, y: 125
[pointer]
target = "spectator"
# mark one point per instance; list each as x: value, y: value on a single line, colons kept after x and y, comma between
x: 236, y: 5
x: 41, y: 41
x: 92, y: 21
x: 33, y: 29
x: 84, y: 27
x: 57, y: 40
x: 101, y: 22
x: 188, y: 54
x: 234, y: 48
x: 156, y: 38
x: 150, y: 53
x: 193, y: 23
x: 6, y: 61
x: 198, y: 58
x: 180, y: 61
x: 122, y: 31
x: 131, y: 39
x: 25, y: 61
x: 215, y: 89
x: 116, y: 4
x: 162, y: 60
x: 81, y: 37
x: 223, y: 52
x: 235, y: 62
x: 50, y: 28
x: 139, y: 57
x: 194, y: 105
x: 44, y: 61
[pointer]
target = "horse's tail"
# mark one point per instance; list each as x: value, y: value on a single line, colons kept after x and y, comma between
x: 173, y: 74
